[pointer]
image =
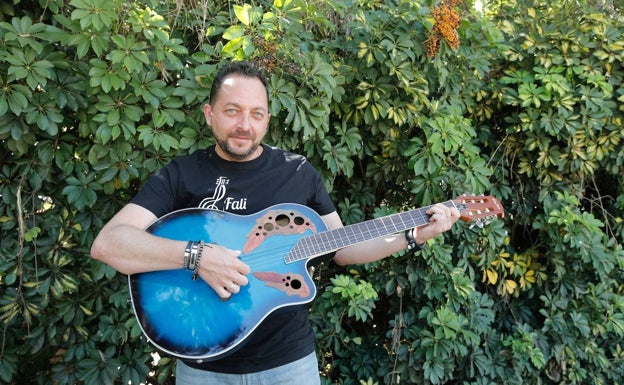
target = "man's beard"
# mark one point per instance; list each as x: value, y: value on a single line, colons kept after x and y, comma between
x: 223, y: 144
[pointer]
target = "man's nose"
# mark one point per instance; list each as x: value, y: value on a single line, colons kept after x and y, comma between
x: 245, y: 121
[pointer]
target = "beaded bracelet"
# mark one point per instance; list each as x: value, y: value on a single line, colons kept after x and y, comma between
x: 411, y: 241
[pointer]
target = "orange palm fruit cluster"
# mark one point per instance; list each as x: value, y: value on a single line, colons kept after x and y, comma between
x: 447, y: 21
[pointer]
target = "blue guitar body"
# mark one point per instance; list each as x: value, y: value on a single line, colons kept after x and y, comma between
x: 186, y: 318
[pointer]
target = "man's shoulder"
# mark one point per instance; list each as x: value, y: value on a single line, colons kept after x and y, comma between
x: 193, y: 157
x: 280, y: 154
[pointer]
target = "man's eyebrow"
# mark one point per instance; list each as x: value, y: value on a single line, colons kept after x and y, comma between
x: 234, y: 104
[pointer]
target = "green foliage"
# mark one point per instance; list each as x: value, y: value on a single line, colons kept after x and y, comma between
x: 96, y: 95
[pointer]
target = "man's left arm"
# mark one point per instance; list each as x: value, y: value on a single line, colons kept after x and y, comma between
x: 441, y: 219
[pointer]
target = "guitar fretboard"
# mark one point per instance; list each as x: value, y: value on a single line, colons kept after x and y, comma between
x: 329, y: 241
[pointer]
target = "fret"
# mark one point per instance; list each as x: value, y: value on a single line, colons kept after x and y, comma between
x: 328, y: 240
x: 387, y: 229
x: 357, y: 234
x: 408, y: 224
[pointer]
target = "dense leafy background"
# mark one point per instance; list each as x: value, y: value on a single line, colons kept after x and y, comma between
x: 97, y: 94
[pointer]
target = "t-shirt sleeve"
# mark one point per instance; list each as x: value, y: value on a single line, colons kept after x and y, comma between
x: 322, y: 202
x: 158, y: 195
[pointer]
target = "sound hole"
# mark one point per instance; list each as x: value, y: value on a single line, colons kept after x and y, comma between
x: 282, y: 220
x: 293, y: 283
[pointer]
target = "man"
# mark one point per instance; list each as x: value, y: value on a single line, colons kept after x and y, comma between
x: 241, y: 175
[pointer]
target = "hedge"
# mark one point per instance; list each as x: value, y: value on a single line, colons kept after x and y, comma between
x: 399, y: 104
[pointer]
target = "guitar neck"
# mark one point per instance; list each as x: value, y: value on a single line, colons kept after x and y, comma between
x: 329, y: 241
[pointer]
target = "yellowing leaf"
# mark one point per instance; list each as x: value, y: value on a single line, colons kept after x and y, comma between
x: 4, y: 219
x: 527, y: 279
x: 491, y: 276
x: 510, y: 286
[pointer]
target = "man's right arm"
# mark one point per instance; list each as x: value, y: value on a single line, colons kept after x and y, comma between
x: 124, y: 244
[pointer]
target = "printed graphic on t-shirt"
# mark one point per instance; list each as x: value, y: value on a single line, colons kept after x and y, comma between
x: 218, y: 201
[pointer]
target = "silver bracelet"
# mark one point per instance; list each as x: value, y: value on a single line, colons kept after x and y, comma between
x: 200, y: 250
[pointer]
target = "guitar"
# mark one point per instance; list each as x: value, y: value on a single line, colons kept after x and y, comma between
x: 187, y: 319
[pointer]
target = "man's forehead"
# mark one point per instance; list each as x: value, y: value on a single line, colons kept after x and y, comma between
x: 237, y: 86
x: 233, y: 81
x: 229, y: 81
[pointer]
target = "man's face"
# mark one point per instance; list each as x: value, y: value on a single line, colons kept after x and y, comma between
x: 239, y: 118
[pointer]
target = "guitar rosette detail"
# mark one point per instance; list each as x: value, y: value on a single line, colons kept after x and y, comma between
x: 282, y: 222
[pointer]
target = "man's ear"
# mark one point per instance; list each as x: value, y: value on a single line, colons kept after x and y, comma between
x: 208, y: 113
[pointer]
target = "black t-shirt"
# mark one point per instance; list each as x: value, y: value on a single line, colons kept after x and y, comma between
x: 203, y: 179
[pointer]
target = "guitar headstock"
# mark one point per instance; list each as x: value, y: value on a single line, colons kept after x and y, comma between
x: 479, y: 209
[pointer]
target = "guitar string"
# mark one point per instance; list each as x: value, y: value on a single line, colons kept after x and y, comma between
x: 312, y: 245
x: 318, y: 244
x: 325, y: 242
x: 322, y: 243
